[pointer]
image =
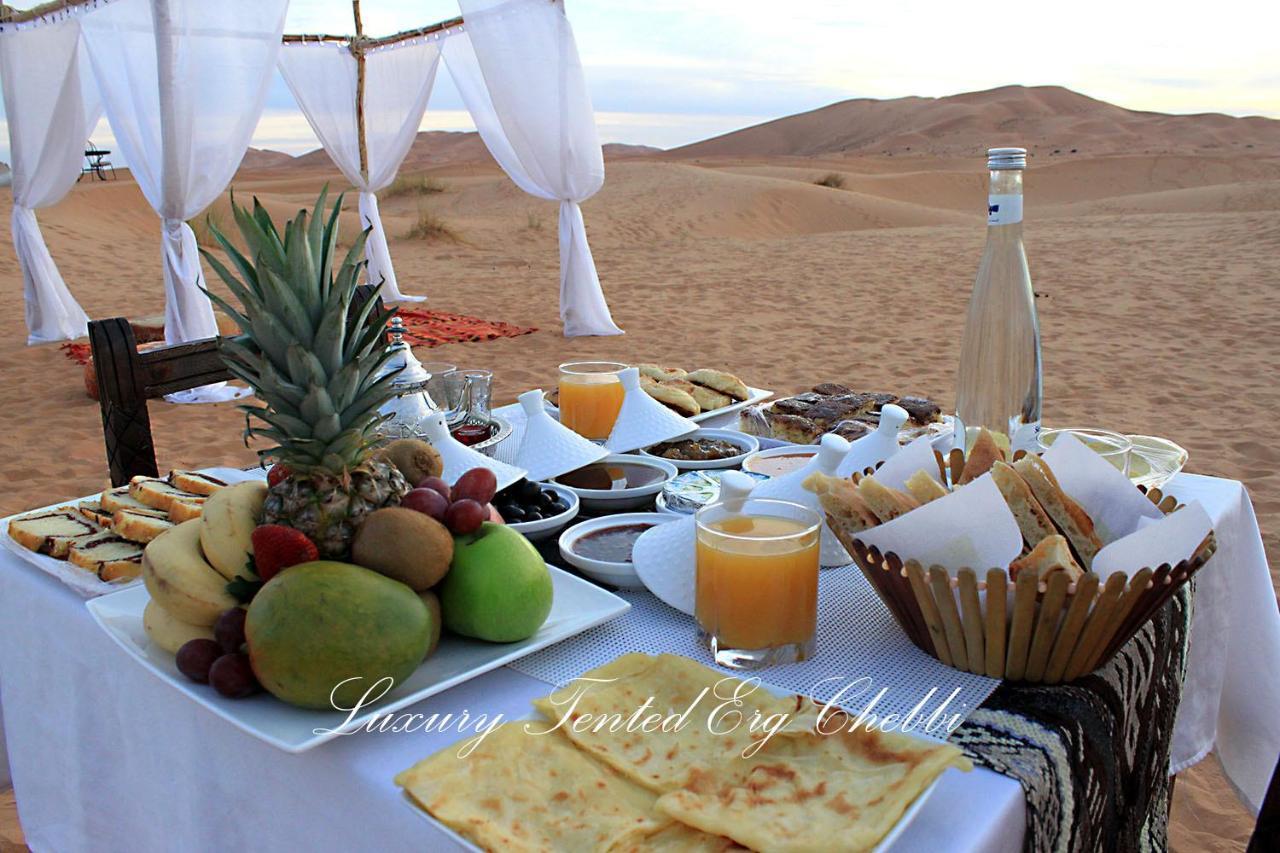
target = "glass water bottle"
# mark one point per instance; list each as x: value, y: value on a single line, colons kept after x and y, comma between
x: 999, y: 385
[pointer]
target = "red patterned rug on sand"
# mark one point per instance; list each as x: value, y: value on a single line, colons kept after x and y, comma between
x: 421, y: 328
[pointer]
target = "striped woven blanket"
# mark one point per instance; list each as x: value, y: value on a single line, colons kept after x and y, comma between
x: 1093, y: 755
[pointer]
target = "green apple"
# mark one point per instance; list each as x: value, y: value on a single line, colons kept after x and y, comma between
x: 498, y: 587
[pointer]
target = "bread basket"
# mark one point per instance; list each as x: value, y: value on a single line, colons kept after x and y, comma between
x: 1022, y: 631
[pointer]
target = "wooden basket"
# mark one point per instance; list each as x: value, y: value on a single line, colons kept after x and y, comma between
x: 1051, y: 633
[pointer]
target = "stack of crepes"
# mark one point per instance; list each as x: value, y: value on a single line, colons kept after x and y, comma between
x: 535, y: 785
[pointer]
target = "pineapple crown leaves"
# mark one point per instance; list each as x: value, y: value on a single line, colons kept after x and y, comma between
x: 314, y: 367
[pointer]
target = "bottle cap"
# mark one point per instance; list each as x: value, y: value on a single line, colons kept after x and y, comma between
x: 1006, y: 158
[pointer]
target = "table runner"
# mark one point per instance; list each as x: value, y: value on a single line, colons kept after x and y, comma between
x: 1093, y: 755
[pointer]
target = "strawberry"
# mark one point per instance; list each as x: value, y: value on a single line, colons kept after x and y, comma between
x: 277, y: 547
x: 277, y: 474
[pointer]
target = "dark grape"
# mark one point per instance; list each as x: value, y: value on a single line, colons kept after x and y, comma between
x: 435, y: 484
x: 465, y: 516
x: 232, y: 676
x: 229, y: 629
x: 478, y: 484
x: 195, y: 658
x: 426, y: 501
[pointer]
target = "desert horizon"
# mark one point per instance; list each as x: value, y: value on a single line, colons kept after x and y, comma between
x: 838, y: 244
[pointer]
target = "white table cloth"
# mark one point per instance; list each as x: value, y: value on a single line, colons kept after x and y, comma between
x: 104, y: 756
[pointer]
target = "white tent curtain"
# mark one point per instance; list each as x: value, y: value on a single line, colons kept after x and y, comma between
x: 398, y: 81
x: 183, y: 84
x: 518, y: 71
x: 51, y: 106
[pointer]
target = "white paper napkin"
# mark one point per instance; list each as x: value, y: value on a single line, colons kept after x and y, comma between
x: 942, y: 532
x: 1112, y: 501
x: 1169, y: 540
x: 916, y: 456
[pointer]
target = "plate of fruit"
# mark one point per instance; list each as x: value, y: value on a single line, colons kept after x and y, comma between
x: 353, y: 580
x: 538, y: 510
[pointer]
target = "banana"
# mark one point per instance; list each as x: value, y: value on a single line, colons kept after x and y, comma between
x: 180, y: 580
x: 169, y: 632
x: 227, y: 524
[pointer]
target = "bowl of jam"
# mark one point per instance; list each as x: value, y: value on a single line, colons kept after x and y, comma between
x: 619, y: 482
x: 601, y: 547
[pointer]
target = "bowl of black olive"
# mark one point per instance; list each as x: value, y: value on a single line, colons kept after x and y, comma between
x: 537, y: 510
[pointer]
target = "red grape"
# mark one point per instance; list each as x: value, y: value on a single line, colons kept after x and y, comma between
x: 465, y: 516
x: 438, y: 485
x: 228, y: 631
x: 426, y: 501
x: 196, y: 657
x: 232, y: 676
x: 478, y: 484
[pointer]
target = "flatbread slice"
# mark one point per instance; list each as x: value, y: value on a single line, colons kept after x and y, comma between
x: 661, y: 372
x: 1032, y: 520
x: 805, y: 791
x: 842, y: 503
x: 519, y: 791
x: 708, y: 399
x: 1050, y: 556
x: 664, y: 684
x: 924, y: 488
x: 984, y: 453
x: 885, y: 502
x: 1067, y: 515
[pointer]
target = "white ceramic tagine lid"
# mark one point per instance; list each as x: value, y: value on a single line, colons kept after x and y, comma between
x: 459, y: 459
x: 549, y: 448
x: 876, y: 446
x: 790, y: 487
x: 665, y: 556
x: 642, y: 420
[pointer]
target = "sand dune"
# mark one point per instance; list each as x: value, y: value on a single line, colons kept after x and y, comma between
x: 1157, y: 275
x: 1047, y: 120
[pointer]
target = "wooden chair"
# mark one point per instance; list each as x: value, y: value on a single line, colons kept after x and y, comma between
x: 128, y: 378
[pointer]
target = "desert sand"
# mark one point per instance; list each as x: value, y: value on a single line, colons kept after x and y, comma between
x: 1154, y: 245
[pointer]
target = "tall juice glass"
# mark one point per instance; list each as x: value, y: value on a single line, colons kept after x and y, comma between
x: 757, y: 582
x: 590, y: 397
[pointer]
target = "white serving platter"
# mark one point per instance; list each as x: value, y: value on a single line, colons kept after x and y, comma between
x: 576, y: 606
x: 885, y: 845
x: 84, y: 582
x: 755, y: 395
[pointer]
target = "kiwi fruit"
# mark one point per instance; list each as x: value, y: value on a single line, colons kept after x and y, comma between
x: 432, y: 601
x: 416, y: 459
x: 403, y: 544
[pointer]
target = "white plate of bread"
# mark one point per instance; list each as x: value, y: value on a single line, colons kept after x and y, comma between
x: 697, y: 395
x: 94, y: 544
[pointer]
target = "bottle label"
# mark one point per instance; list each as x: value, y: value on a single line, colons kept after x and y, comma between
x: 1004, y: 209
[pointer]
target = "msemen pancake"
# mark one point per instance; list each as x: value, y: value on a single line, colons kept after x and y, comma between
x: 521, y: 791
x: 804, y: 791
x: 660, y: 760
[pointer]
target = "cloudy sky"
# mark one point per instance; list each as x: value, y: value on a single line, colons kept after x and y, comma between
x: 664, y: 73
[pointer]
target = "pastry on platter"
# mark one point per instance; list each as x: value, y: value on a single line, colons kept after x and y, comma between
x: 660, y: 372
x: 832, y: 407
x: 195, y: 483
x: 718, y: 380
x: 707, y: 399
x: 108, y: 556
x: 52, y: 531
x: 139, y: 526
x: 673, y: 398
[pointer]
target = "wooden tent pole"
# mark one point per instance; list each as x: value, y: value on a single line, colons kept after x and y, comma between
x: 357, y: 47
x: 381, y: 41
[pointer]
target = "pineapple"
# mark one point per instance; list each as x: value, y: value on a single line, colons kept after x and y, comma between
x: 314, y: 371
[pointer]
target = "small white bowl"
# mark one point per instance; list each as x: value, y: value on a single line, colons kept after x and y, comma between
x: 806, y: 450
x: 615, y: 574
x: 617, y: 500
x: 545, y: 528
x: 747, y: 443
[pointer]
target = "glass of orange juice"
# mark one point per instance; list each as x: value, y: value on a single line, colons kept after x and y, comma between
x: 590, y: 397
x: 757, y: 582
